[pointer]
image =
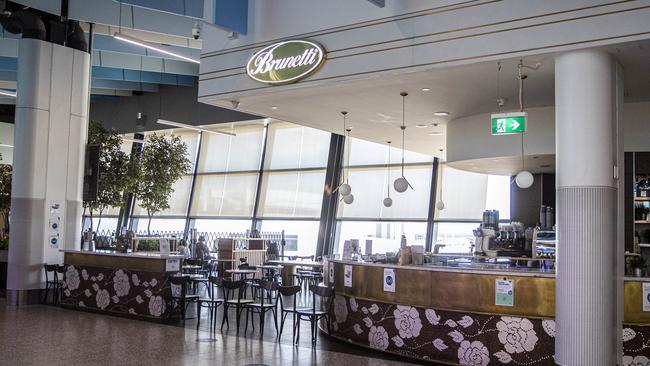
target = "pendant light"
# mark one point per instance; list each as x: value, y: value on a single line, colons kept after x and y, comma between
x: 348, y: 198
x: 440, y: 205
x: 524, y: 179
x: 344, y: 188
x: 401, y: 184
x: 388, y: 201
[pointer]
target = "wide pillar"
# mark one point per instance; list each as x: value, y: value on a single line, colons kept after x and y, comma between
x: 586, y: 125
x: 50, y: 140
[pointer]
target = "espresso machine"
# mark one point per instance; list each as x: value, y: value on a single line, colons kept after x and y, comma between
x: 495, y: 240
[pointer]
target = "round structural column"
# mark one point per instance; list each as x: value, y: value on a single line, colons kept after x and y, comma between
x: 586, y: 156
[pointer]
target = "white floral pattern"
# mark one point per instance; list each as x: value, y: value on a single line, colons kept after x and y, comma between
x: 156, y: 306
x: 628, y: 334
x: 466, y: 321
x: 153, y: 282
x: 88, y: 293
x: 516, y: 334
x: 432, y: 317
x: 340, y: 309
x: 357, y: 329
x: 72, y: 278
x: 84, y: 274
x: 135, y: 279
x: 636, y: 361
x: 473, y: 353
x: 102, y: 299
x: 503, y: 357
x: 138, y: 299
x: 399, y: 342
x: 549, y: 327
x: 456, y: 336
x: 439, y: 344
x: 378, y: 338
x: 407, y: 321
x: 115, y: 299
x: 353, y: 305
x: 373, y: 309
x: 121, y: 283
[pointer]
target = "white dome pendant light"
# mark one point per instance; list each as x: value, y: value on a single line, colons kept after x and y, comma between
x: 348, y: 198
x: 344, y: 188
x: 388, y: 201
x: 401, y: 184
x: 524, y: 179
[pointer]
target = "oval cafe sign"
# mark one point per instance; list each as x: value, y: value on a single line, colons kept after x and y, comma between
x: 285, y: 62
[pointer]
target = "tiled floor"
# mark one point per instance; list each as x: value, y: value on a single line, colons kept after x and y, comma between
x: 47, y: 335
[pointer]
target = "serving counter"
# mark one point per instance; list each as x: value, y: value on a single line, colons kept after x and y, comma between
x: 134, y: 285
x: 450, y: 315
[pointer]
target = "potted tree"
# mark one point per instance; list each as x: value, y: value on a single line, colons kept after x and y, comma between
x: 637, y: 263
x: 5, y: 203
x: 113, y: 164
x: 163, y: 162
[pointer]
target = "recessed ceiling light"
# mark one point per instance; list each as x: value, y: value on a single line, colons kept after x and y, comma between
x: 440, y: 114
x: 435, y: 133
x: 421, y: 126
x: 435, y: 124
x: 274, y: 107
x: 426, y: 89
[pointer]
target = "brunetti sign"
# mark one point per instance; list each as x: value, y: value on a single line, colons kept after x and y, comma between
x: 285, y: 62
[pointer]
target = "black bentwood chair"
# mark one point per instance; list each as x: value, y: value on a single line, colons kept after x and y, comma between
x: 233, y: 297
x: 52, y: 283
x: 212, y: 302
x: 286, y: 292
x: 181, y: 299
x: 267, y: 290
x: 321, y: 306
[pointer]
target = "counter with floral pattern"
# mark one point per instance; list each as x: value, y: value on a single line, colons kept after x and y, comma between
x: 118, y: 291
x: 461, y: 338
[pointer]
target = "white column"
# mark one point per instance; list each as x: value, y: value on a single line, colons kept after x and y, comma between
x: 586, y: 123
x: 49, y: 139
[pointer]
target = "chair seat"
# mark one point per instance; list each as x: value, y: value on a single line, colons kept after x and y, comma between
x: 187, y: 297
x: 291, y: 309
x: 242, y: 301
x: 310, y: 312
x: 207, y: 299
x: 260, y: 305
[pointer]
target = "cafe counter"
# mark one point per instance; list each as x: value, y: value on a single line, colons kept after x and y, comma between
x: 134, y: 285
x: 456, y: 315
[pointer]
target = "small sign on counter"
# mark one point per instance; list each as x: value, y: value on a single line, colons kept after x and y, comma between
x: 389, y: 279
x: 504, y: 292
x: 646, y: 296
x: 347, y: 276
x: 330, y: 273
x: 173, y: 265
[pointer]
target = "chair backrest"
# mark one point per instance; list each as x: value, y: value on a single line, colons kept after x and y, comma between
x: 182, y: 281
x: 193, y: 262
x: 267, y: 288
x: 326, y: 295
x: 49, y: 268
x: 232, y: 287
x: 288, y: 291
x: 218, y: 283
x: 305, y: 257
x: 59, y: 268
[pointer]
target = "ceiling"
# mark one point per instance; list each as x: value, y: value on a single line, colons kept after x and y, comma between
x: 375, y: 106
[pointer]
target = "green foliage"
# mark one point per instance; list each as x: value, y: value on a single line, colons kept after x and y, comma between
x: 163, y: 162
x: 5, y: 188
x: 148, y: 245
x: 113, y: 165
x: 4, y: 243
x: 637, y: 261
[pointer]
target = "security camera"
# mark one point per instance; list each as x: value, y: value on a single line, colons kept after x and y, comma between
x: 196, y: 30
x: 235, y: 104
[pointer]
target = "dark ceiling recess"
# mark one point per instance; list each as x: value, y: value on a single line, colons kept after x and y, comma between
x: 31, y: 23
x: 7, y: 113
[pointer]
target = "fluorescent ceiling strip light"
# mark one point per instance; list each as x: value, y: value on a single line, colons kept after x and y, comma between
x: 189, y: 127
x: 6, y: 145
x: 8, y: 93
x: 152, y: 46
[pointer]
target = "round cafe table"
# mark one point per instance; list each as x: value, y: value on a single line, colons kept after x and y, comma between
x: 269, y: 270
x: 242, y: 273
x: 289, y: 269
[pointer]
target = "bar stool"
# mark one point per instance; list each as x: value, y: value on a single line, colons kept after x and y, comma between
x: 317, y: 310
x: 53, y: 283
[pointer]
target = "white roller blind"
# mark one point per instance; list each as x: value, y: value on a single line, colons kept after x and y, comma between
x: 177, y: 201
x: 292, y: 194
x: 223, y: 153
x: 224, y: 195
x: 291, y: 146
x: 463, y: 193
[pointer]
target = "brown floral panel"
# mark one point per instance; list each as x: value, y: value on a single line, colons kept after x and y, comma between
x: 117, y: 291
x: 461, y: 338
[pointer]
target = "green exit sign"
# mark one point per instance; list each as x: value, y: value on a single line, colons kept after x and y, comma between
x: 509, y: 123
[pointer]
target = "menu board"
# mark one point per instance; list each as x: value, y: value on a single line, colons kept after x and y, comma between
x: 646, y: 296
x: 347, y: 276
x: 504, y: 292
x: 389, y: 279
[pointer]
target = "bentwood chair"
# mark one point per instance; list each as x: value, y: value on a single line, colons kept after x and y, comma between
x: 321, y: 306
x: 288, y: 306
x: 233, y: 297
x: 51, y: 283
x: 180, y: 298
x: 212, y: 302
x: 267, y: 290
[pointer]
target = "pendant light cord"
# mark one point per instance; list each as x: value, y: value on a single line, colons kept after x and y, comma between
x: 403, y: 94
x: 388, y: 169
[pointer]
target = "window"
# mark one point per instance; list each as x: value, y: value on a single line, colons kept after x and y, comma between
x: 177, y: 202
x: 292, y: 194
x: 224, y: 195
x: 385, y: 236
x: 291, y: 146
x: 160, y: 226
x: 222, y: 226
x: 301, y: 237
x: 457, y: 237
x: 101, y: 225
x: 223, y: 153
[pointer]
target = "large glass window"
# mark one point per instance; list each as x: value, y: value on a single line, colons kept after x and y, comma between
x: 385, y: 236
x: 227, y: 195
x: 455, y: 237
x: 177, y: 202
x: 223, y: 153
x: 291, y: 146
x: 222, y: 226
x: 292, y: 194
x: 160, y: 226
x: 300, y: 236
